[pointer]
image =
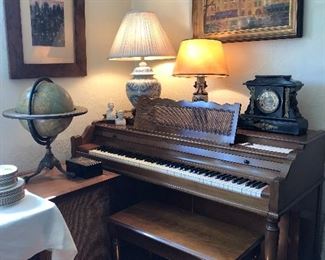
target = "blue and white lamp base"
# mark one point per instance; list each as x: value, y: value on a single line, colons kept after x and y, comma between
x: 142, y: 84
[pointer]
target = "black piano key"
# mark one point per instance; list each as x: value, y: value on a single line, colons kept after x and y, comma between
x: 203, y: 172
x: 217, y: 174
x: 238, y: 180
x: 212, y: 174
x: 231, y: 178
x: 184, y: 167
x: 242, y: 181
x: 235, y: 179
x: 255, y: 184
x: 252, y: 184
x: 225, y: 177
x: 220, y: 176
x: 196, y: 171
x: 261, y: 185
x: 248, y: 183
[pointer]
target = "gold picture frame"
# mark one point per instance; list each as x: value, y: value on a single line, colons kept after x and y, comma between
x: 247, y: 20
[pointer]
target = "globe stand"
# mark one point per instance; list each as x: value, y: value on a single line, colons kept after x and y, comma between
x: 49, y: 161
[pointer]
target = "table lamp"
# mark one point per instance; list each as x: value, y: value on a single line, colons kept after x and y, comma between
x: 141, y: 37
x: 200, y: 58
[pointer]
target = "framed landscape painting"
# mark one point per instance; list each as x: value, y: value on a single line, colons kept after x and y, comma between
x: 46, y: 38
x: 247, y: 20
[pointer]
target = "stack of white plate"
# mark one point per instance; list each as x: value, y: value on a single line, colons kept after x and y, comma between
x: 11, y: 186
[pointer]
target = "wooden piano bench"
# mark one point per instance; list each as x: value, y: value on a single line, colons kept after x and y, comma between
x: 173, y: 233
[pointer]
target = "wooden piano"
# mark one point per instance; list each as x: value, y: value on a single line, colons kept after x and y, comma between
x: 267, y: 182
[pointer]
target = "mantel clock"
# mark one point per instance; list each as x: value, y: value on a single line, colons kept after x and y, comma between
x: 273, y: 106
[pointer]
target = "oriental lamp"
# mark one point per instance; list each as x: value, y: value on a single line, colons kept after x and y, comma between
x: 200, y: 58
x: 139, y: 38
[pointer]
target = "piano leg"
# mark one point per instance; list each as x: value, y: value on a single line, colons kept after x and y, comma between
x: 116, y: 249
x: 271, y: 238
x: 318, y: 233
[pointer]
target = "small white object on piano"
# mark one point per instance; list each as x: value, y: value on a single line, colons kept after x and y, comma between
x: 120, y: 120
x: 110, y: 115
x: 267, y: 148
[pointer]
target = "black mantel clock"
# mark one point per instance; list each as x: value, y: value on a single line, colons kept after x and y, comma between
x: 273, y: 106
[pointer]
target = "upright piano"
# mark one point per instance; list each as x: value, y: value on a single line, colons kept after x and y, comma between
x: 187, y: 147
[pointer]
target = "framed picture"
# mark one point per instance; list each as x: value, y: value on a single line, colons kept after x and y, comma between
x: 247, y: 20
x: 46, y: 38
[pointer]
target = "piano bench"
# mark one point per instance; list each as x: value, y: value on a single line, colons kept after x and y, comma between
x: 174, y: 233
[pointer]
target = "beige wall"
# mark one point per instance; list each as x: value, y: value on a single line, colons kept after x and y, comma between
x: 105, y: 81
x: 303, y: 58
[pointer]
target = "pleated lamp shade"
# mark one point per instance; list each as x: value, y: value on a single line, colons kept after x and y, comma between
x: 141, y: 36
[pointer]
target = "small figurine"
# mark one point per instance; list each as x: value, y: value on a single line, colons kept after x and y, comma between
x: 110, y: 115
x: 120, y: 120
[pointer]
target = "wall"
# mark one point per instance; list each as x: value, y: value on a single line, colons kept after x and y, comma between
x: 303, y: 58
x: 105, y: 81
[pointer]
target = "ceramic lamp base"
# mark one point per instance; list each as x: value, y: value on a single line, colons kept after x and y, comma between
x: 142, y: 84
x: 138, y: 87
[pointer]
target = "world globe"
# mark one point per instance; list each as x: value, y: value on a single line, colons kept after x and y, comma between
x: 49, y: 98
x: 45, y: 110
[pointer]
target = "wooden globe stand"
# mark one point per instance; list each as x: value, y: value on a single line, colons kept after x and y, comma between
x: 49, y: 161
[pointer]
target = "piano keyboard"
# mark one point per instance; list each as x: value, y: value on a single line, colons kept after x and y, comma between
x: 223, y: 181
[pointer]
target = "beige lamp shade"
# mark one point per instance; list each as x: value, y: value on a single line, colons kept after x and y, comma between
x: 141, y: 36
x: 200, y: 57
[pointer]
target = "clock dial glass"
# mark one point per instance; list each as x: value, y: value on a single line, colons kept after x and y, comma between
x: 268, y: 101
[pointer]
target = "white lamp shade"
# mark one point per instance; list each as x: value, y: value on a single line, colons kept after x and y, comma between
x: 200, y: 57
x: 141, y: 36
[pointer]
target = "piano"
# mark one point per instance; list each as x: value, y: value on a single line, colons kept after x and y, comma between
x: 182, y: 146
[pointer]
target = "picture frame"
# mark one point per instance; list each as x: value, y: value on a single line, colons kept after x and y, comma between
x: 247, y: 20
x: 19, y: 69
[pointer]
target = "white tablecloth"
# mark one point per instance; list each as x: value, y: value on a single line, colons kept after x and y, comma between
x: 31, y: 226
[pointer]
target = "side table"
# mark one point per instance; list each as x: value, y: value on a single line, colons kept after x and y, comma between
x: 85, y: 205
x: 31, y: 225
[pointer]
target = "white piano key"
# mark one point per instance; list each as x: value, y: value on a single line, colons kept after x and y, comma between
x: 188, y: 174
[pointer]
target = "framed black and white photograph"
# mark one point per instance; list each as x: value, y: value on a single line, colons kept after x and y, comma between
x: 47, y: 22
x: 46, y: 38
x: 247, y: 20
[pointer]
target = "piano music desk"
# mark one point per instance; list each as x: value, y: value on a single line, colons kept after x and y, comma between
x: 85, y: 205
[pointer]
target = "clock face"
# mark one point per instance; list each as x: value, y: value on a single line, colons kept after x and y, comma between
x: 268, y: 101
